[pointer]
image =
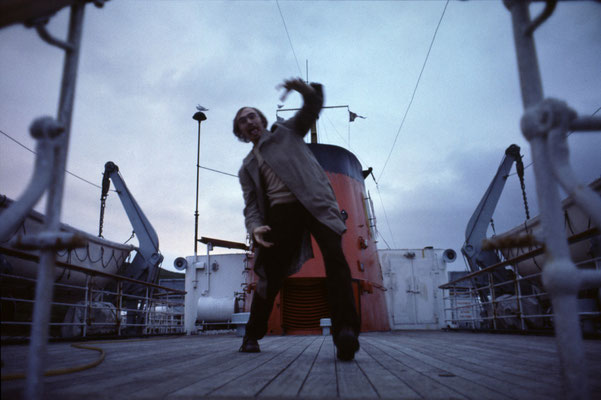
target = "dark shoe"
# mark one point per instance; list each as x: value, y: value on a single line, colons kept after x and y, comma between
x: 249, y: 346
x: 347, y: 345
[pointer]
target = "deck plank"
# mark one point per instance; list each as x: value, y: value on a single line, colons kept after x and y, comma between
x: 155, y: 378
x: 188, y: 372
x: 517, y: 380
x: 321, y: 382
x: 386, y: 384
x: 420, y: 382
x: 128, y: 356
x: 290, y: 381
x: 237, y: 366
x: 59, y: 355
x: 129, y: 361
x: 501, y: 356
x: 389, y: 365
x: 352, y: 382
x: 452, y: 375
x: 505, y: 357
x: 253, y: 381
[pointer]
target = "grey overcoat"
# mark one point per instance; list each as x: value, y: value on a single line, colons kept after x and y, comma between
x: 285, y: 151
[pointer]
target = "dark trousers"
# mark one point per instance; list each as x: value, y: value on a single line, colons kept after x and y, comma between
x: 288, y: 222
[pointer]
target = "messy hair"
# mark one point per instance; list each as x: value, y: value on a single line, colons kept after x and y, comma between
x: 237, y: 131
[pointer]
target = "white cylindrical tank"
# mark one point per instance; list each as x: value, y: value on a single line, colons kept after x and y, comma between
x: 210, y: 309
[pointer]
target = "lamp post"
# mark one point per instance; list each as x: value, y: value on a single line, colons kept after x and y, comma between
x: 199, y: 116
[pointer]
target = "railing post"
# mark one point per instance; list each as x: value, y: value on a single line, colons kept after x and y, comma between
x: 474, y: 302
x: 45, y: 280
x: 493, y: 299
x: 119, y: 307
x: 86, y: 305
x: 560, y: 276
x: 518, y: 297
x: 453, y: 298
x: 147, y: 312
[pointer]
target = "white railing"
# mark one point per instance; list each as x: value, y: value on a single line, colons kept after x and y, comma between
x: 84, y: 311
x: 469, y: 305
x: 545, y: 124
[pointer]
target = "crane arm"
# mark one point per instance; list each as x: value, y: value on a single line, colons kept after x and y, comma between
x: 148, y: 258
x: 477, y: 226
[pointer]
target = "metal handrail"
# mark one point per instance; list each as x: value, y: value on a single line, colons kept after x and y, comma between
x: 589, y: 233
x: 159, y: 321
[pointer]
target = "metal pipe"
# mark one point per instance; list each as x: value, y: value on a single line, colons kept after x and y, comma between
x: 198, y: 116
x: 208, y: 269
x: 493, y: 302
x: 549, y: 7
x: 560, y: 274
x: 46, y: 131
x: 87, y: 307
x: 197, y: 184
x: 590, y: 279
x: 530, y: 81
x: 147, y: 311
x: 589, y: 123
x: 518, y: 291
x: 48, y: 38
x: 41, y: 312
x: 584, y: 197
x: 119, y: 319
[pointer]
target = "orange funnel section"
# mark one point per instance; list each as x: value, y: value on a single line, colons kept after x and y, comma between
x: 302, y: 302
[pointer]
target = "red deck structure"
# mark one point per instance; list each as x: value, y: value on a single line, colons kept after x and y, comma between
x: 302, y: 302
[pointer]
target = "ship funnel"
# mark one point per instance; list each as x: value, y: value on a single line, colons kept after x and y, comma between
x: 449, y: 256
x: 180, y: 263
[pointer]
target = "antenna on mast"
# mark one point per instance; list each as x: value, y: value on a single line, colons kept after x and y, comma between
x: 307, y: 69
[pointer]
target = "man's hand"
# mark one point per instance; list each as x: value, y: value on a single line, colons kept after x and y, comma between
x: 258, y: 233
x: 296, y: 84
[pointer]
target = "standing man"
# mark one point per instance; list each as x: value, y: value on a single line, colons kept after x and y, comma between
x: 287, y: 197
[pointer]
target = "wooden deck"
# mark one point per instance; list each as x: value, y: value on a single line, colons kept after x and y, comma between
x: 391, y: 365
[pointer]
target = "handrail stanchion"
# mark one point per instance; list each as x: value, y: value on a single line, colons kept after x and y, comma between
x: 560, y: 276
x: 45, y: 279
x: 147, y: 311
x: 119, y: 318
x: 493, y: 299
x: 86, y: 306
x: 518, y: 297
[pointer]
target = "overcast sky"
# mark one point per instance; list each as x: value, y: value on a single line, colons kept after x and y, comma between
x: 145, y: 65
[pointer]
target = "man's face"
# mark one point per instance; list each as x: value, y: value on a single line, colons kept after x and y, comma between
x: 250, y: 124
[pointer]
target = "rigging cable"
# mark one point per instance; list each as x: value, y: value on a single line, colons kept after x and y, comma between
x: 414, y: 90
x: 377, y: 187
x: 385, y: 215
x: 289, y: 40
x: 337, y: 133
x: 33, y: 151
x: 91, y: 183
x: 219, y: 172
